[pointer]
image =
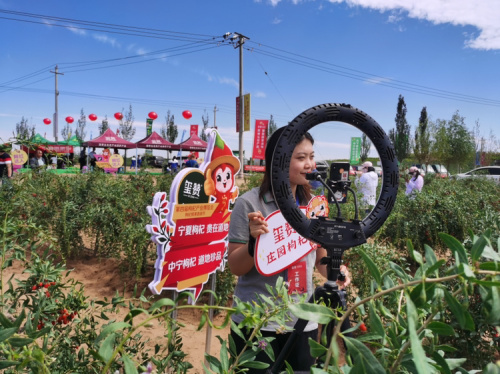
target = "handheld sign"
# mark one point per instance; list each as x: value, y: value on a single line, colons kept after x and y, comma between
x: 282, y: 247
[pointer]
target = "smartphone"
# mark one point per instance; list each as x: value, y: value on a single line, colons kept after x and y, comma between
x: 339, y: 172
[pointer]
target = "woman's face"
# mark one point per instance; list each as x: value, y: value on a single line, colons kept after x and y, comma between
x: 302, y: 162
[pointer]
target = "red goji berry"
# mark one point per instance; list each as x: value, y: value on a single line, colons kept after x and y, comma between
x: 363, y: 328
x: 47, y: 293
x: 46, y: 285
x: 34, y: 288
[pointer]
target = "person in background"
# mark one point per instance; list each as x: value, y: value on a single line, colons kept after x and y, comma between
x: 53, y: 161
x: 92, y: 159
x: 133, y: 163
x: 5, y: 164
x: 191, y: 162
x: 37, y: 161
x: 139, y: 161
x: 174, y: 165
x: 246, y: 225
x: 367, y: 185
x: 415, y: 183
x: 83, y: 159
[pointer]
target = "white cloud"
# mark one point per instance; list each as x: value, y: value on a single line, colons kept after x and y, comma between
x: 228, y: 81
x: 260, y: 94
x: 482, y: 14
x: 274, y: 2
x: 276, y: 21
x: 377, y: 80
x: 106, y: 40
x: 77, y: 31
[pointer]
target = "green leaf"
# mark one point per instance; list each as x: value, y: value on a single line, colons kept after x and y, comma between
x: 445, y: 348
x: 435, y: 267
x: 398, y: 270
x: 4, y: 321
x: 255, y: 365
x: 376, y: 322
x: 430, y: 256
x: 20, y: 342
x: 492, y: 266
x: 203, y: 320
x: 112, y: 327
x: 418, y: 295
x: 490, y: 253
x: 7, y: 333
x: 443, y: 366
x: 134, y: 312
x: 161, y: 303
x: 19, y: 320
x: 418, y: 353
x: 478, y: 248
x: 106, y: 348
x: 440, y: 328
x: 5, y: 364
x: 414, y: 254
x: 316, y: 349
x: 456, y: 247
x: 363, y: 357
x: 486, y: 283
x: 129, y: 365
x: 224, y: 358
x: 455, y: 307
x: 313, y: 312
x: 372, y: 268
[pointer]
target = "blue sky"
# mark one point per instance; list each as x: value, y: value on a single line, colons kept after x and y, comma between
x: 299, y: 54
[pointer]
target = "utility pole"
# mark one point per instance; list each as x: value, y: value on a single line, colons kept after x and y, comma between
x: 241, y: 41
x: 215, y: 111
x: 56, y: 114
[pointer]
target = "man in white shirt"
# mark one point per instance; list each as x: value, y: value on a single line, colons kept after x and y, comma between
x: 367, y: 186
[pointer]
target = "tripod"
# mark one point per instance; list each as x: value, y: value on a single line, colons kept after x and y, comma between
x: 333, y: 297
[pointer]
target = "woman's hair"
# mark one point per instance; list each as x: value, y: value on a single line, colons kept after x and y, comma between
x: 303, y: 192
x: 371, y: 168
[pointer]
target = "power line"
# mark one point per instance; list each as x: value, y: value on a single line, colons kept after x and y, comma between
x: 363, y: 76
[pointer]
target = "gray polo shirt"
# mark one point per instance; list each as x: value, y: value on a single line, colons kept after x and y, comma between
x: 253, y: 283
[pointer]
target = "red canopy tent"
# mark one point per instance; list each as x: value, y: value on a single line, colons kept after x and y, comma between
x: 155, y: 141
x: 193, y: 143
x: 109, y: 140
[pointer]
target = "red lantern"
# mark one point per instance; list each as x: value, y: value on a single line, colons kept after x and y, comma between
x: 187, y: 114
x: 118, y: 116
x: 92, y: 117
x: 47, y: 121
x: 153, y: 115
x: 69, y: 119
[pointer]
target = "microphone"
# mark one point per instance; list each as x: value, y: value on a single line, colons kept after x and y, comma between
x: 313, y: 176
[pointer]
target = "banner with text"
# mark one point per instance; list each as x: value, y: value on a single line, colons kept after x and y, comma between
x: 246, y: 114
x: 355, y: 151
x: 238, y: 114
x: 193, y: 130
x: 260, y: 139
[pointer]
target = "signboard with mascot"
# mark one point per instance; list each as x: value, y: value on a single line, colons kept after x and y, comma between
x: 191, y: 225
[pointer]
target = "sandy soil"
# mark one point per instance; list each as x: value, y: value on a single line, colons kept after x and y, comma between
x: 101, y: 279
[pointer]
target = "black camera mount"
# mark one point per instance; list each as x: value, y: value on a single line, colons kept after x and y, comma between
x: 338, y: 234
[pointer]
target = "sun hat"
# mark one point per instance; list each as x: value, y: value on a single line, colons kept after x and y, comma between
x: 412, y: 170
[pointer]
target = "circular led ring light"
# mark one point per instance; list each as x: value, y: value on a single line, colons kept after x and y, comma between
x: 328, y: 232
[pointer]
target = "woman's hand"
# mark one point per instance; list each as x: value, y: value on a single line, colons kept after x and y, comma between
x: 347, y: 281
x: 257, y: 224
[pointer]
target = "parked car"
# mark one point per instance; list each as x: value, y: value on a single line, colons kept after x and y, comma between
x: 440, y: 170
x: 490, y: 172
x: 156, y: 161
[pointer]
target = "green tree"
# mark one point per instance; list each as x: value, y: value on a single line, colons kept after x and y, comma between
x: 205, y: 118
x: 272, y: 127
x: 366, y: 144
x: 400, y: 136
x: 453, y: 142
x: 80, y: 127
x: 127, y: 130
x: 104, y: 125
x: 23, y: 130
x: 422, y: 146
x: 171, y: 131
x: 66, y: 131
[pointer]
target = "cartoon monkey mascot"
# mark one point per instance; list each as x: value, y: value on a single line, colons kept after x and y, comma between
x: 219, y: 176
